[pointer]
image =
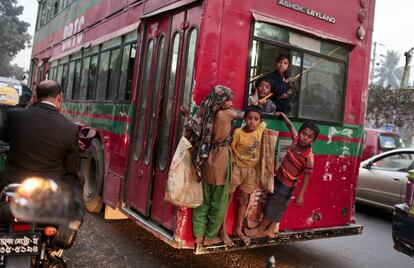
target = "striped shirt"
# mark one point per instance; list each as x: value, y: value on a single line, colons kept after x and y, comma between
x: 294, y: 163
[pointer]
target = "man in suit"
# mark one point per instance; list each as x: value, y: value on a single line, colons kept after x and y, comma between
x: 42, y: 141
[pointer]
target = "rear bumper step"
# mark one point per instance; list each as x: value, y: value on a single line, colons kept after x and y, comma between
x: 285, y: 237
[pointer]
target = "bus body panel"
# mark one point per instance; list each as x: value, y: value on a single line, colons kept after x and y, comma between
x: 112, y: 121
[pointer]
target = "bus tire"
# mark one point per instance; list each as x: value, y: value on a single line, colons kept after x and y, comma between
x: 92, y: 170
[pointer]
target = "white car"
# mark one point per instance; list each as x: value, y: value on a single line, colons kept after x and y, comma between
x: 382, y: 178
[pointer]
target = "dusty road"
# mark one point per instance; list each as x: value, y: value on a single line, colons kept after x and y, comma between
x: 123, y: 244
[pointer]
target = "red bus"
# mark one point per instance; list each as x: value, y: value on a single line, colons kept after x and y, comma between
x: 126, y: 67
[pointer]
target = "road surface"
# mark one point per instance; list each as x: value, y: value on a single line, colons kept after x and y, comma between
x: 103, y: 243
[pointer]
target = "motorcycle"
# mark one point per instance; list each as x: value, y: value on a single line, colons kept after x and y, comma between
x: 39, y: 218
x: 43, y: 218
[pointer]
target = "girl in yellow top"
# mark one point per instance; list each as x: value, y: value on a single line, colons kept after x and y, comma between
x: 246, y: 154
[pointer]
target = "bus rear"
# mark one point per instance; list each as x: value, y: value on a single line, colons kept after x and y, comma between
x: 126, y: 70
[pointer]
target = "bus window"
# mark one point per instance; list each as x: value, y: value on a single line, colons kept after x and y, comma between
x: 168, y: 104
x: 188, y: 77
x: 59, y: 74
x: 49, y: 10
x: 103, y: 75
x: 53, y: 70
x: 91, y: 50
x: 62, y: 75
x: 55, y: 8
x: 113, y: 78
x: 43, y: 15
x: 142, y: 107
x: 317, y: 71
x: 112, y: 43
x: 321, y: 90
x: 131, y: 37
x: 89, y: 73
x: 85, y: 74
x: 55, y: 73
x: 92, y: 78
x: 64, y: 80
x: 154, y: 99
x: 40, y: 74
x: 77, y: 80
x: 127, y: 71
x: 69, y: 91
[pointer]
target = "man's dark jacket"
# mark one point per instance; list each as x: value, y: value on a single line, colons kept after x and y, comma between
x: 42, y: 143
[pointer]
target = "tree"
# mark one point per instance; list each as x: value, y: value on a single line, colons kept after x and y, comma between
x: 13, y: 34
x: 388, y: 74
x: 386, y: 106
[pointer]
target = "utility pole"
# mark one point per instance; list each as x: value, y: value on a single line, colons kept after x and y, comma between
x: 373, y: 61
x: 406, y: 74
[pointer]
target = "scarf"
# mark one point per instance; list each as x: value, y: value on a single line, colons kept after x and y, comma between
x: 202, y: 123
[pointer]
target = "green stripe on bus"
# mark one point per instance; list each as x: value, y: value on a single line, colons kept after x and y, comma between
x: 333, y: 148
x: 115, y: 127
x: 52, y: 26
x: 328, y: 147
x: 89, y: 113
x: 110, y: 109
x: 346, y: 131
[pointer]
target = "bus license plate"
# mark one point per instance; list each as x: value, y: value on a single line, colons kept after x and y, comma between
x: 19, y: 244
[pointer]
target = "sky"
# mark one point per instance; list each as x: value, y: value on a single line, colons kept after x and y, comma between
x: 392, y: 18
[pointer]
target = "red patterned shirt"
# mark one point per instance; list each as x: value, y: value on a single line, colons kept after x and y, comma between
x: 294, y: 163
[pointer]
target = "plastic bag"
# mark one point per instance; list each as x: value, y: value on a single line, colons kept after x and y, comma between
x: 183, y: 189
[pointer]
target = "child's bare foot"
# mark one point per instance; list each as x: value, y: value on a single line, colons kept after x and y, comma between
x: 256, y: 232
x: 271, y: 233
x: 226, y: 240
x: 209, y: 242
x: 243, y: 237
x: 199, y: 240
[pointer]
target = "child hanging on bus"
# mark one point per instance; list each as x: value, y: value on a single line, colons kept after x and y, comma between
x: 262, y: 91
x: 246, y: 154
x: 280, y: 86
x: 298, y: 160
x: 209, y: 133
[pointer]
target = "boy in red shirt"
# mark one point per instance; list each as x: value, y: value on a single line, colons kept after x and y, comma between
x: 298, y: 159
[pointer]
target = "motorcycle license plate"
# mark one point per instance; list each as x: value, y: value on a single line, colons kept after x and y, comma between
x: 24, y: 244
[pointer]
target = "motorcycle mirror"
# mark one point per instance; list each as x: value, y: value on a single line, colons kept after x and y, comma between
x: 87, y: 133
x: 43, y: 200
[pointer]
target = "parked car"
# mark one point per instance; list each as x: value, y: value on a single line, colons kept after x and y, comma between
x: 25, y: 93
x: 377, y: 141
x: 382, y: 178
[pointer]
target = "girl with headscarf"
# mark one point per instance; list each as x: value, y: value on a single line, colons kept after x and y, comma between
x: 209, y: 131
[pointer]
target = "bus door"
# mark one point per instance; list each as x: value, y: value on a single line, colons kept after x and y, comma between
x: 177, y: 91
x: 139, y: 173
x: 167, y: 73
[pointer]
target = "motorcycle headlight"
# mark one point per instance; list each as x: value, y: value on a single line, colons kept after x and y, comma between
x: 46, y: 201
